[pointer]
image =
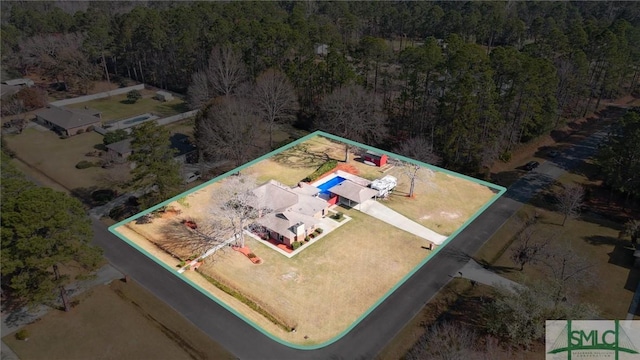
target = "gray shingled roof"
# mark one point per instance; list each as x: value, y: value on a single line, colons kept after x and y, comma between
x: 283, y: 222
x: 66, y: 118
x: 354, y: 192
x: 306, y: 189
x: 273, y: 195
x: 121, y: 147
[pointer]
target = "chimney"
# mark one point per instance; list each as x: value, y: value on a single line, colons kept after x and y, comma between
x: 299, y: 230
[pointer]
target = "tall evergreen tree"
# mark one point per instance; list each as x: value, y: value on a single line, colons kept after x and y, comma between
x: 153, y: 157
x: 42, y: 231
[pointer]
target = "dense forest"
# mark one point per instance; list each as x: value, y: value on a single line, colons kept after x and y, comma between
x: 473, y: 79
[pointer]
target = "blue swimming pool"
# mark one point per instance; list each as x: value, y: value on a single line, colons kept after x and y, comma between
x: 324, y: 187
x: 137, y: 119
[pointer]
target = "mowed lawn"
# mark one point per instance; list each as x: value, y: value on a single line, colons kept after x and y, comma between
x: 330, y: 284
x: 116, y: 321
x: 117, y: 108
x: 57, y: 158
x: 442, y: 202
x: 326, y: 287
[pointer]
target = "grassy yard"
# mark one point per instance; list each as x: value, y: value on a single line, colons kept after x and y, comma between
x: 56, y: 157
x: 325, y: 288
x: 117, y: 107
x: 442, y: 202
x: 116, y: 321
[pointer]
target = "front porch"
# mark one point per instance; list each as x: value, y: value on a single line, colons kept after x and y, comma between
x: 326, y: 224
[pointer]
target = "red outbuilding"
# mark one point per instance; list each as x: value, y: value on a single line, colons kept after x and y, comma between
x: 377, y: 159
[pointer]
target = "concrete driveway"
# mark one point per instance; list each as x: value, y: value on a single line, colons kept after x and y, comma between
x: 383, y: 213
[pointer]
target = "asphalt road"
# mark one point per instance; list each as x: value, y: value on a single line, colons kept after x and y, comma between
x: 370, y: 336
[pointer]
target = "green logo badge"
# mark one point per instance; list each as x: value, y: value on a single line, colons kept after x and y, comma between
x: 594, y: 339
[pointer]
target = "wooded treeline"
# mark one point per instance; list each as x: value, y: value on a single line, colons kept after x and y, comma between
x: 473, y: 79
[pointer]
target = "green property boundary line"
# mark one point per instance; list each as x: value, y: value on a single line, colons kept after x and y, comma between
x: 498, y: 189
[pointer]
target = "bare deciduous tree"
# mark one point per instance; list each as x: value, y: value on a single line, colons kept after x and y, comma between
x: 446, y: 340
x: 226, y: 70
x: 353, y: 113
x: 275, y: 99
x: 61, y: 57
x: 570, y: 201
x: 567, y: 271
x: 529, y: 248
x: 419, y: 149
x: 178, y: 237
x: 224, y: 75
x: 518, y: 315
x: 239, y: 205
x: 199, y: 91
x: 13, y: 106
x: 227, y: 129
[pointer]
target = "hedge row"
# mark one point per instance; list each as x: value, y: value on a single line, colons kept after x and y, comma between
x: 238, y: 295
x: 323, y: 169
x: 84, y: 164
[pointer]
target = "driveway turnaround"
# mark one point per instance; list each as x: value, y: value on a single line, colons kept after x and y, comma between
x: 391, y: 217
x: 383, y: 323
x: 476, y: 272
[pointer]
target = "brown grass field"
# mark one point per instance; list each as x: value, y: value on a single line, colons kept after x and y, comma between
x: 116, y: 321
x: 57, y: 158
x: 116, y: 107
x: 329, y: 285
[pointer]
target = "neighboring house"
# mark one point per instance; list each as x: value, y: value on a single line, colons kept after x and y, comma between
x: 19, y: 82
x: 185, y: 150
x: 295, y: 211
x: 7, y: 90
x: 351, y: 194
x: 164, y: 96
x: 68, y: 121
x: 119, y: 151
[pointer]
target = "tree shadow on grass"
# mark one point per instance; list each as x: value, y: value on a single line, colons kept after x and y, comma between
x: 84, y: 194
x: 496, y: 268
x: 301, y: 156
x: 632, y: 283
x: 451, y: 251
x: 622, y: 253
x: 179, y: 107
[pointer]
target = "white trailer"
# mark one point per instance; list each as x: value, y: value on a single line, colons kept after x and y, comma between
x: 384, y: 185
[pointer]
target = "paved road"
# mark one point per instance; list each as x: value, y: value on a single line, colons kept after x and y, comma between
x: 376, y: 330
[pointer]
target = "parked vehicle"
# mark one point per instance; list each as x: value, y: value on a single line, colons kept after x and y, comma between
x: 191, y: 177
x: 531, y: 165
x: 553, y: 153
